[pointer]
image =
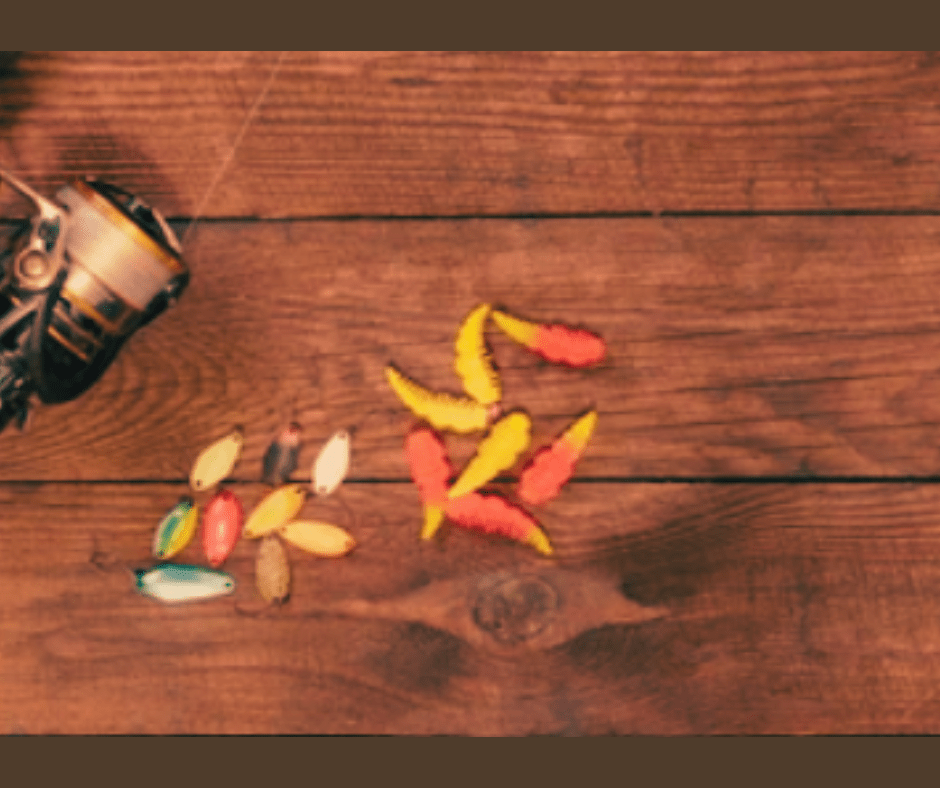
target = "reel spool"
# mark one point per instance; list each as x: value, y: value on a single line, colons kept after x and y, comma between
x: 75, y: 282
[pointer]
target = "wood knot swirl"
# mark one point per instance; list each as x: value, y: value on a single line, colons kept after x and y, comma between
x: 512, y: 608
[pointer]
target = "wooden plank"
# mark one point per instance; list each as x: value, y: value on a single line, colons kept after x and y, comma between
x: 805, y: 608
x: 393, y: 133
x: 738, y: 346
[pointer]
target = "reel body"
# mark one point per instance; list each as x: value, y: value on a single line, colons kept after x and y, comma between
x: 75, y: 282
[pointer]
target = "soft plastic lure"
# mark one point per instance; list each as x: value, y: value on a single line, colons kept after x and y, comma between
x: 222, y: 522
x: 558, y: 343
x: 492, y: 514
x: 216, y: 461
x: 276, y: 509
x: 499, y: 450
x: 552, y: 466
x: 182, y: 583
x: 272, y: 571
x: 322, y: 539
x: 443, y: 411
x: 431, y: 471
x: 473, y: 362
x: 331, y: 465
x: 176, y: 529
x: 280, y: 460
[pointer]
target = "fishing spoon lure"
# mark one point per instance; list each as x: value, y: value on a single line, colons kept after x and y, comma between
x: 332, y: 464
x: 272, y: 571
x: 216, y: 461
x: 280, y: 459
x: 277, y: 508
x: 222, y: 523
x: 183, y: 583
x: 321, y: 539
x: 176, y: 529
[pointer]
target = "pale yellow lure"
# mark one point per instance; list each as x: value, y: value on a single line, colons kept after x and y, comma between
x: 216, y: 461
x: 322, y: 539
x: 276, y: 509
x: 473, y: 362
x: 442, y: 411
x: 331, y: 465
x: 499, y: 450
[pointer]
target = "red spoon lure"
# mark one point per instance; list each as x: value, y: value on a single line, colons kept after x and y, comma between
x: 222, y: 523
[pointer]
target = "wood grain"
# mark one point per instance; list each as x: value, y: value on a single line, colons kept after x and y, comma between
x: 401, y: 133
x: 807, y: 608
x: 793, y: 346
x: 368, y: 203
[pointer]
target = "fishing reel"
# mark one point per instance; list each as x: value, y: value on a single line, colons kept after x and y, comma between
x: 75, y: 282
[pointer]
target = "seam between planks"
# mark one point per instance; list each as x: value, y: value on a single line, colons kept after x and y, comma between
x: 764, y: 480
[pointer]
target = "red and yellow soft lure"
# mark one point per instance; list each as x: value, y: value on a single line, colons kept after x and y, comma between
x: 546, y: 473
x: 558, y: 343
x: 431, y: 471
x: 493, y: 514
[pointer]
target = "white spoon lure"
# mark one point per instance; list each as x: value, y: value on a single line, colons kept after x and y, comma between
x: 182, y: 583
x: 332, y: 464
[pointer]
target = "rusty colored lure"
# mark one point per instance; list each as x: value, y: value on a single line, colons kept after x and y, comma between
x: 272, y: 571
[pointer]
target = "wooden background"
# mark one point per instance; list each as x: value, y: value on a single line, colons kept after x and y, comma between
x: 752, y: 544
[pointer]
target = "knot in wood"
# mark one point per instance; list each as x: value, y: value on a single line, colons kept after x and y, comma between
x: 512, y: 609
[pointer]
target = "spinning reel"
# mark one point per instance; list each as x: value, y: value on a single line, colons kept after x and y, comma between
x: 75, y: 282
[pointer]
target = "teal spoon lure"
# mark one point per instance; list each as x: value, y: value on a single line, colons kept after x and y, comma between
x: 183, y: 583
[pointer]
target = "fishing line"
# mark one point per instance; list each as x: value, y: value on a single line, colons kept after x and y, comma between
x: 220, y: 171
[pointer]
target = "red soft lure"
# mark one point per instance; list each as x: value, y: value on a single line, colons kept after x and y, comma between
x: 573, y: 347
x: 222, y: 523
x: 492, y: 514
x: 542, y: 479
x: 431, y: 471
x: 558, y: 343
x: 430, y: 466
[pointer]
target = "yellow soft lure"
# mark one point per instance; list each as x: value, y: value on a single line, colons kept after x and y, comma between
x: 443, y: 411
x: 473, y: 362
x: 499, y: 450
